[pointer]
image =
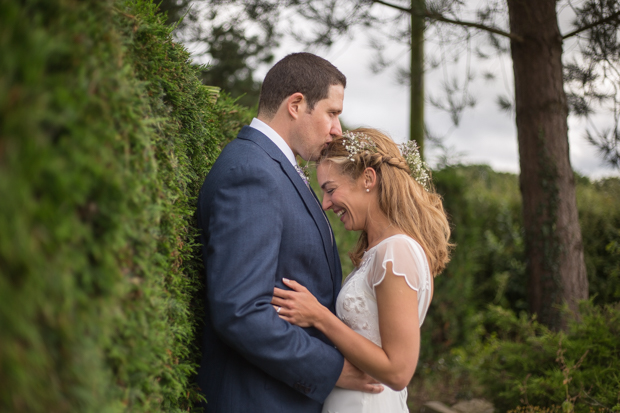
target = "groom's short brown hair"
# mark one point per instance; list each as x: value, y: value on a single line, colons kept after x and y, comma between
x: 305, y: 73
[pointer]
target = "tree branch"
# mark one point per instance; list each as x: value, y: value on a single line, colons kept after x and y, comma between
x: 591, y: 25
x: 394, y: 6
x: 440, y: 17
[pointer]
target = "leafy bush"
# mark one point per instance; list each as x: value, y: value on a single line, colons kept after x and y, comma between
x: 106, y: 134
x: 599, y: 217
x: 521, y: 363
x: 488, y: 263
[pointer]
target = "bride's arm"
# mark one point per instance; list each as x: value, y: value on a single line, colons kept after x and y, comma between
x: 397, y: 303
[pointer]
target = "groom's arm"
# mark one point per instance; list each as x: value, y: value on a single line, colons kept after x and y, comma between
x: 244, y: 234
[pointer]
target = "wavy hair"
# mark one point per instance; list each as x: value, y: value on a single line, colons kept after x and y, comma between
x: 408, y: 206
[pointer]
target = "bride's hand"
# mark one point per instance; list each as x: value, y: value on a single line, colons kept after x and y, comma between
x: 297, y: 306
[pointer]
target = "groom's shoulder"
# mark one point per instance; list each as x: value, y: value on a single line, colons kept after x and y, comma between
x: 248, y: 145
x: 245, y: 156
x: 242, y: 153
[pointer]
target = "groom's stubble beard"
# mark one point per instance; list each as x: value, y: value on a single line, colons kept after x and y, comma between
x: 316, y: 154
x: 312, y: 156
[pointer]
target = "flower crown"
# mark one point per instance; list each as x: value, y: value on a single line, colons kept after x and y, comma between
x: 419, y: 170
x: 357, y: 142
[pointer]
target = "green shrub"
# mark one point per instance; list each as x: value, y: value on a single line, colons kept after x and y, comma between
x: 106, y: 134
x: 599, y: 216
x: 521, y: 363
x: 488, y: 263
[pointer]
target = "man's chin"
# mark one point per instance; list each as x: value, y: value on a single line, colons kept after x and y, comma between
x: 313, y: 157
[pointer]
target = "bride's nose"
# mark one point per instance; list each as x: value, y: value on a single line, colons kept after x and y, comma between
x: 326, y: 203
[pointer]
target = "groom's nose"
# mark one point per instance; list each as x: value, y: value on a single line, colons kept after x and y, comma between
x: 336, y: 129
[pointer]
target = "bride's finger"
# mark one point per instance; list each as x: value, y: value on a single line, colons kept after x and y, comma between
x: 282, y: 312
x: 278, y: 301
x: 278, y: 292
x: 295, y: 286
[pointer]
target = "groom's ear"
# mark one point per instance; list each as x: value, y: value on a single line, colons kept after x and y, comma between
x: 295, y: 104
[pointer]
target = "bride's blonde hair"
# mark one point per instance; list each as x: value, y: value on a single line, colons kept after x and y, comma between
x: 411, y: 208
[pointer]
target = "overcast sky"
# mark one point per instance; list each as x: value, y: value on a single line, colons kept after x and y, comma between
x: 484, y: 135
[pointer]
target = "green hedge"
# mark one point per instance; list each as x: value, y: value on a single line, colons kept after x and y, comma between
x: 106, y: 134
x: 524, y: 367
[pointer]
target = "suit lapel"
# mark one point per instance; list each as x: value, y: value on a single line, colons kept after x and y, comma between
x: 306, y: 193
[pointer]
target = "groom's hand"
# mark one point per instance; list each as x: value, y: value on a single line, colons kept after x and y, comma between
x: 353, y: 378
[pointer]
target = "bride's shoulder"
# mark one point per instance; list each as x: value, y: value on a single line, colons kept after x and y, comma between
x: 400, y: 242
x: 407, y: 258
x: 400, y: 248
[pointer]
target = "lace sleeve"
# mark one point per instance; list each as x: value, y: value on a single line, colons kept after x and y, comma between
x: 408, y: 260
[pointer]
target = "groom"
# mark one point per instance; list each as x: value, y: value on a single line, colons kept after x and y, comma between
x: 260, y: 222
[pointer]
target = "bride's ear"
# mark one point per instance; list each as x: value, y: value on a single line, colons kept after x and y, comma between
x: 369, y: 179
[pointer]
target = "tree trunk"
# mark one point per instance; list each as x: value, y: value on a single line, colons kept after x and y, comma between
x: 416, y: 121
x: 556, y: 267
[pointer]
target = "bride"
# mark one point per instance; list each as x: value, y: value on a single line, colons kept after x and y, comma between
x: 386, y: 194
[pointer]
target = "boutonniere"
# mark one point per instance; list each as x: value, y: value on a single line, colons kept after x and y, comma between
x: 305, y: 169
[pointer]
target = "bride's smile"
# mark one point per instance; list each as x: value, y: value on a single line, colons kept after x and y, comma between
x: 346, y: 197
x: 354, y: 201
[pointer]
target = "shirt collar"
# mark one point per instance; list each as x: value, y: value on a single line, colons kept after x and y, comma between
x: 261, y: 126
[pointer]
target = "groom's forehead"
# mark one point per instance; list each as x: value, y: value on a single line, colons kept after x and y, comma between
x: 335, y: 98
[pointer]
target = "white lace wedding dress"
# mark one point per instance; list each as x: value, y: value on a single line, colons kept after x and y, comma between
x: 356, y: 306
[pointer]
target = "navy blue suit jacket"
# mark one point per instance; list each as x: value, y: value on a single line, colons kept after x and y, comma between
x: 260, y: 223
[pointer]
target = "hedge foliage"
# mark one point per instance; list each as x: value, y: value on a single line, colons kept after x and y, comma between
x: 523, y: 366
x: 106, y: 134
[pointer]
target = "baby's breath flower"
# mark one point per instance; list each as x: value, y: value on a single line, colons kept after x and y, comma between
x: 356, y: 143
x: 419, y: 169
